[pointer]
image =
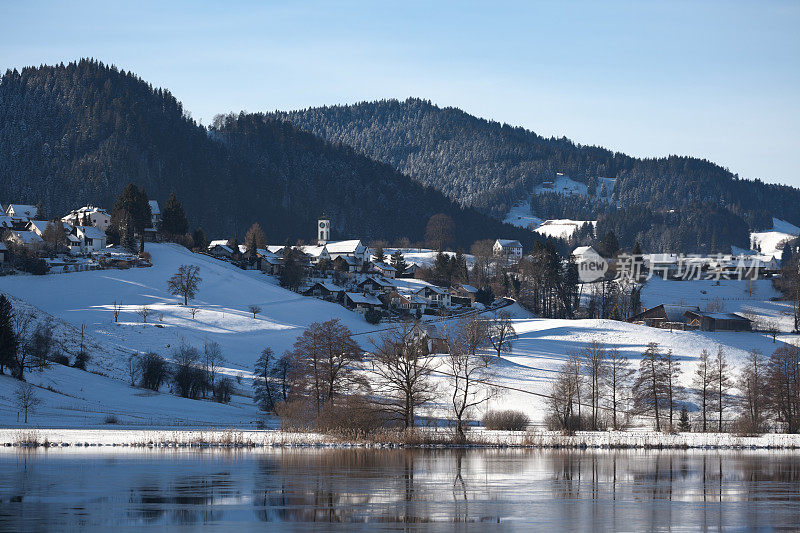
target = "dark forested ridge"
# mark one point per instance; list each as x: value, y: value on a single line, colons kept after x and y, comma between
x: 78, y: 133
x: 491, y: 166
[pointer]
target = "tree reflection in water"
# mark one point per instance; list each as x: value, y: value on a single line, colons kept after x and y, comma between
x: 636, y: 490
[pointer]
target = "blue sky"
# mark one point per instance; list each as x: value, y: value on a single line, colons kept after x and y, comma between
x: 711, y: 79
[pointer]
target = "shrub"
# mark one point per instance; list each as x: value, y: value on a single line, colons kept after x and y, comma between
x: 60, y: 359
x: 223, y: 390
x: 81, y: 360
x: 350, y: 416
x: 506, y: 420
x: 372, y: 316
x: 111, y: 419
x: 296, y: 415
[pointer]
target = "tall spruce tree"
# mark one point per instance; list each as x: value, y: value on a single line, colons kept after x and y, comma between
x: 173, y: 217
x: 133, y: 200
x: 8, y: 339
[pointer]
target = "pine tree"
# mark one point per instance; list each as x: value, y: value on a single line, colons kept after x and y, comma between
x: 262, y: 384
x: 200, y: 239
x: 8, y: 339
x: 133, y: 201
x: 380, y: 255
x: 173, y: 218
x: 683, y: 422
x: 399, y: 262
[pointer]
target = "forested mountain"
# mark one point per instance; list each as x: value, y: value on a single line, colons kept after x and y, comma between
x: 491, y: 166
x: 78, y: 133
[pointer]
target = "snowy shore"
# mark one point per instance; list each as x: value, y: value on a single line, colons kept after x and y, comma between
x: 424, y: 438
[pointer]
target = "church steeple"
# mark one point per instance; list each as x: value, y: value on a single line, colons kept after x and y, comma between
x: 323, y: 229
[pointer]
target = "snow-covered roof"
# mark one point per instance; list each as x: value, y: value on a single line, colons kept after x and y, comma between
x: 328, y: 286
x: 583, y: 250
x: 27, y: 237
x: 508, y: 243
x: 385, y: 266
x: 223, y: 246
x: 359, y: 298
x: 242, y: 249
x: 663, y: 259
x: 313, y: 251
x: 351, y: 261
x: 218, y: 242
x: 22, y: 210
x: 88, y: 209
x: 91, y: 232
x: 434, y: 288
x: 468, y: 288
x: 275, y: 248
x: 383, y: 282
x: 719, y: 316
x: 6, y: 221
x: 154, y: 209
x: 343, y: 247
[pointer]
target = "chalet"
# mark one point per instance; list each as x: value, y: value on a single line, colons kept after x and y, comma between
x: 92, y: 239
x: 510, y: 250
x: 89, y: 216
x: 664, y: 316
x: 219, y: 250
x: 410, y: 270
x: 21, y: 213
x: 384, y: 269
x: 407, y: 302
x: 326, y: 291
x: 271, y: 263
x: 706, y: 321
x: 345, y: 263
x: 155, y: 215
x: 429, y: 333
x: 436, y: 296
x: 376, y: 285
x: 584, y: 253
x: 28, y: 239
x: 463, y: 294
x: 352, y: 248
x: 361, y: 302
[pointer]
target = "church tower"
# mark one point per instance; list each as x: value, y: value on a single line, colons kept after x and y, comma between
x: 323, y: 230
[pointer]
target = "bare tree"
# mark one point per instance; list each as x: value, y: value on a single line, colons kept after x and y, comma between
x: 650, y: 387
x: 618, y: 379
x: 401, y: 370
x: 702, y: 383
x: 772, y: 327
x: 593, y: 360
x: 672, y: 369
x: 133, y: 369
x: 323, y: 362
x: 254, y: 309
x: 188, y: 378
x: 212, y: 361
x: 721, y: 384
x: 193, y: 311
x: 153, y: 370
x: 143, y: 312
x: 753, y: 387
x: 263, y: 393
x: 468, y: 367
x: 784, y: 386
x: 21, y: 322
x: 562, y: 398
x: 185, y: 282
x: 117, y: 310
x: 26, y: 399
x: 501, y: 332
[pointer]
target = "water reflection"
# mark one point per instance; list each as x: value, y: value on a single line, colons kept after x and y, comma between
x: 565, y: 490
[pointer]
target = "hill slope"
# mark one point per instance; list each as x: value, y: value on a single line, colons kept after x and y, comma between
x: 77, y: 133
x: 492, y: 166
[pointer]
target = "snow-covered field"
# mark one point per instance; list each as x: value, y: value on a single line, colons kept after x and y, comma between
x: 73, y: 398
x: 771, y: 242
x: 561, y: 228
x: 425, y: 257
x: 566, y: 185
x: 520, y: 215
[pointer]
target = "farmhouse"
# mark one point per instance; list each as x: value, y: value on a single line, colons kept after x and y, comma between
x: 664, y: 316
x: 510, y: 250
x: 706, y: 321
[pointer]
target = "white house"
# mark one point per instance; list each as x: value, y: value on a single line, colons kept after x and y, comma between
x: 39, y: 226
x: 436, y: 296
x: 22, y: 212
x: 155, y: 213
x: 89, y: 216
x: 315, y: 253
x: 509, y: 249
x: 92, y: 239
x: 29, y: 239
x: 384, y: 269
x: 352, y: 248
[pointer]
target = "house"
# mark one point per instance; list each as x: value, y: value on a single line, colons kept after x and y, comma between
x: 6, y: 222
x: 433, y: 337
x: 219, y: 250
x: 271, y: 263
x: 315, y: 253
x: 155, y: 215
x: 29, y: 239
x: 463, y: 294
x: 664, y: 265
x: 326, y: 291
x: 375, y: 285
x: 410, y: 270
x: 92, y: 239
x: 707, y: 321
x: 408, y: 302
x: 510, y: 250
x: 345, y: 263
x: 22, y: 212
x: 352, y: 248
x: 435, y: 296
x: 89, y: 216
x: 39, y: 226
x: 361, y: 302
x: 384, y: 269
x: 665, y: 316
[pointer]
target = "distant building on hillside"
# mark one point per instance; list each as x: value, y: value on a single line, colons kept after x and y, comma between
x: 155, y: 215
x: 509, y: 249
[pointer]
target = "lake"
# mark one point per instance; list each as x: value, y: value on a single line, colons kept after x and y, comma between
x: 408, y: 490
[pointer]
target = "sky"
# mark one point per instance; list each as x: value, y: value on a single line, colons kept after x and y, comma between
x: 712, y: 79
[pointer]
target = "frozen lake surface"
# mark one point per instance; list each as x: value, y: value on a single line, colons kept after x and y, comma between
x: 358, y: 489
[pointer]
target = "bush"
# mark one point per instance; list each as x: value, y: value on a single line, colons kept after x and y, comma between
x: 372, y: 316
x: 350, y: 416
x: 506, y: 420
x: 81, y: 360
x: 111, y: 419
x: 223, y: 390
x: 60, y: 359
x: 295, y: 415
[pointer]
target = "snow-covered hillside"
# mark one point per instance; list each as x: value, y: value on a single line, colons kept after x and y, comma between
x: 561, y: 228
x: 771, y: 242
x: 566, y: 185
x: 520, y: 215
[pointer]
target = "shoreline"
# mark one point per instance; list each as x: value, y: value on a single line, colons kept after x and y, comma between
x: 423, y: 438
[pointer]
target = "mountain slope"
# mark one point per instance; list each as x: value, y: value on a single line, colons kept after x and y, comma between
x: 492, y: 166
x: 77, y: 133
